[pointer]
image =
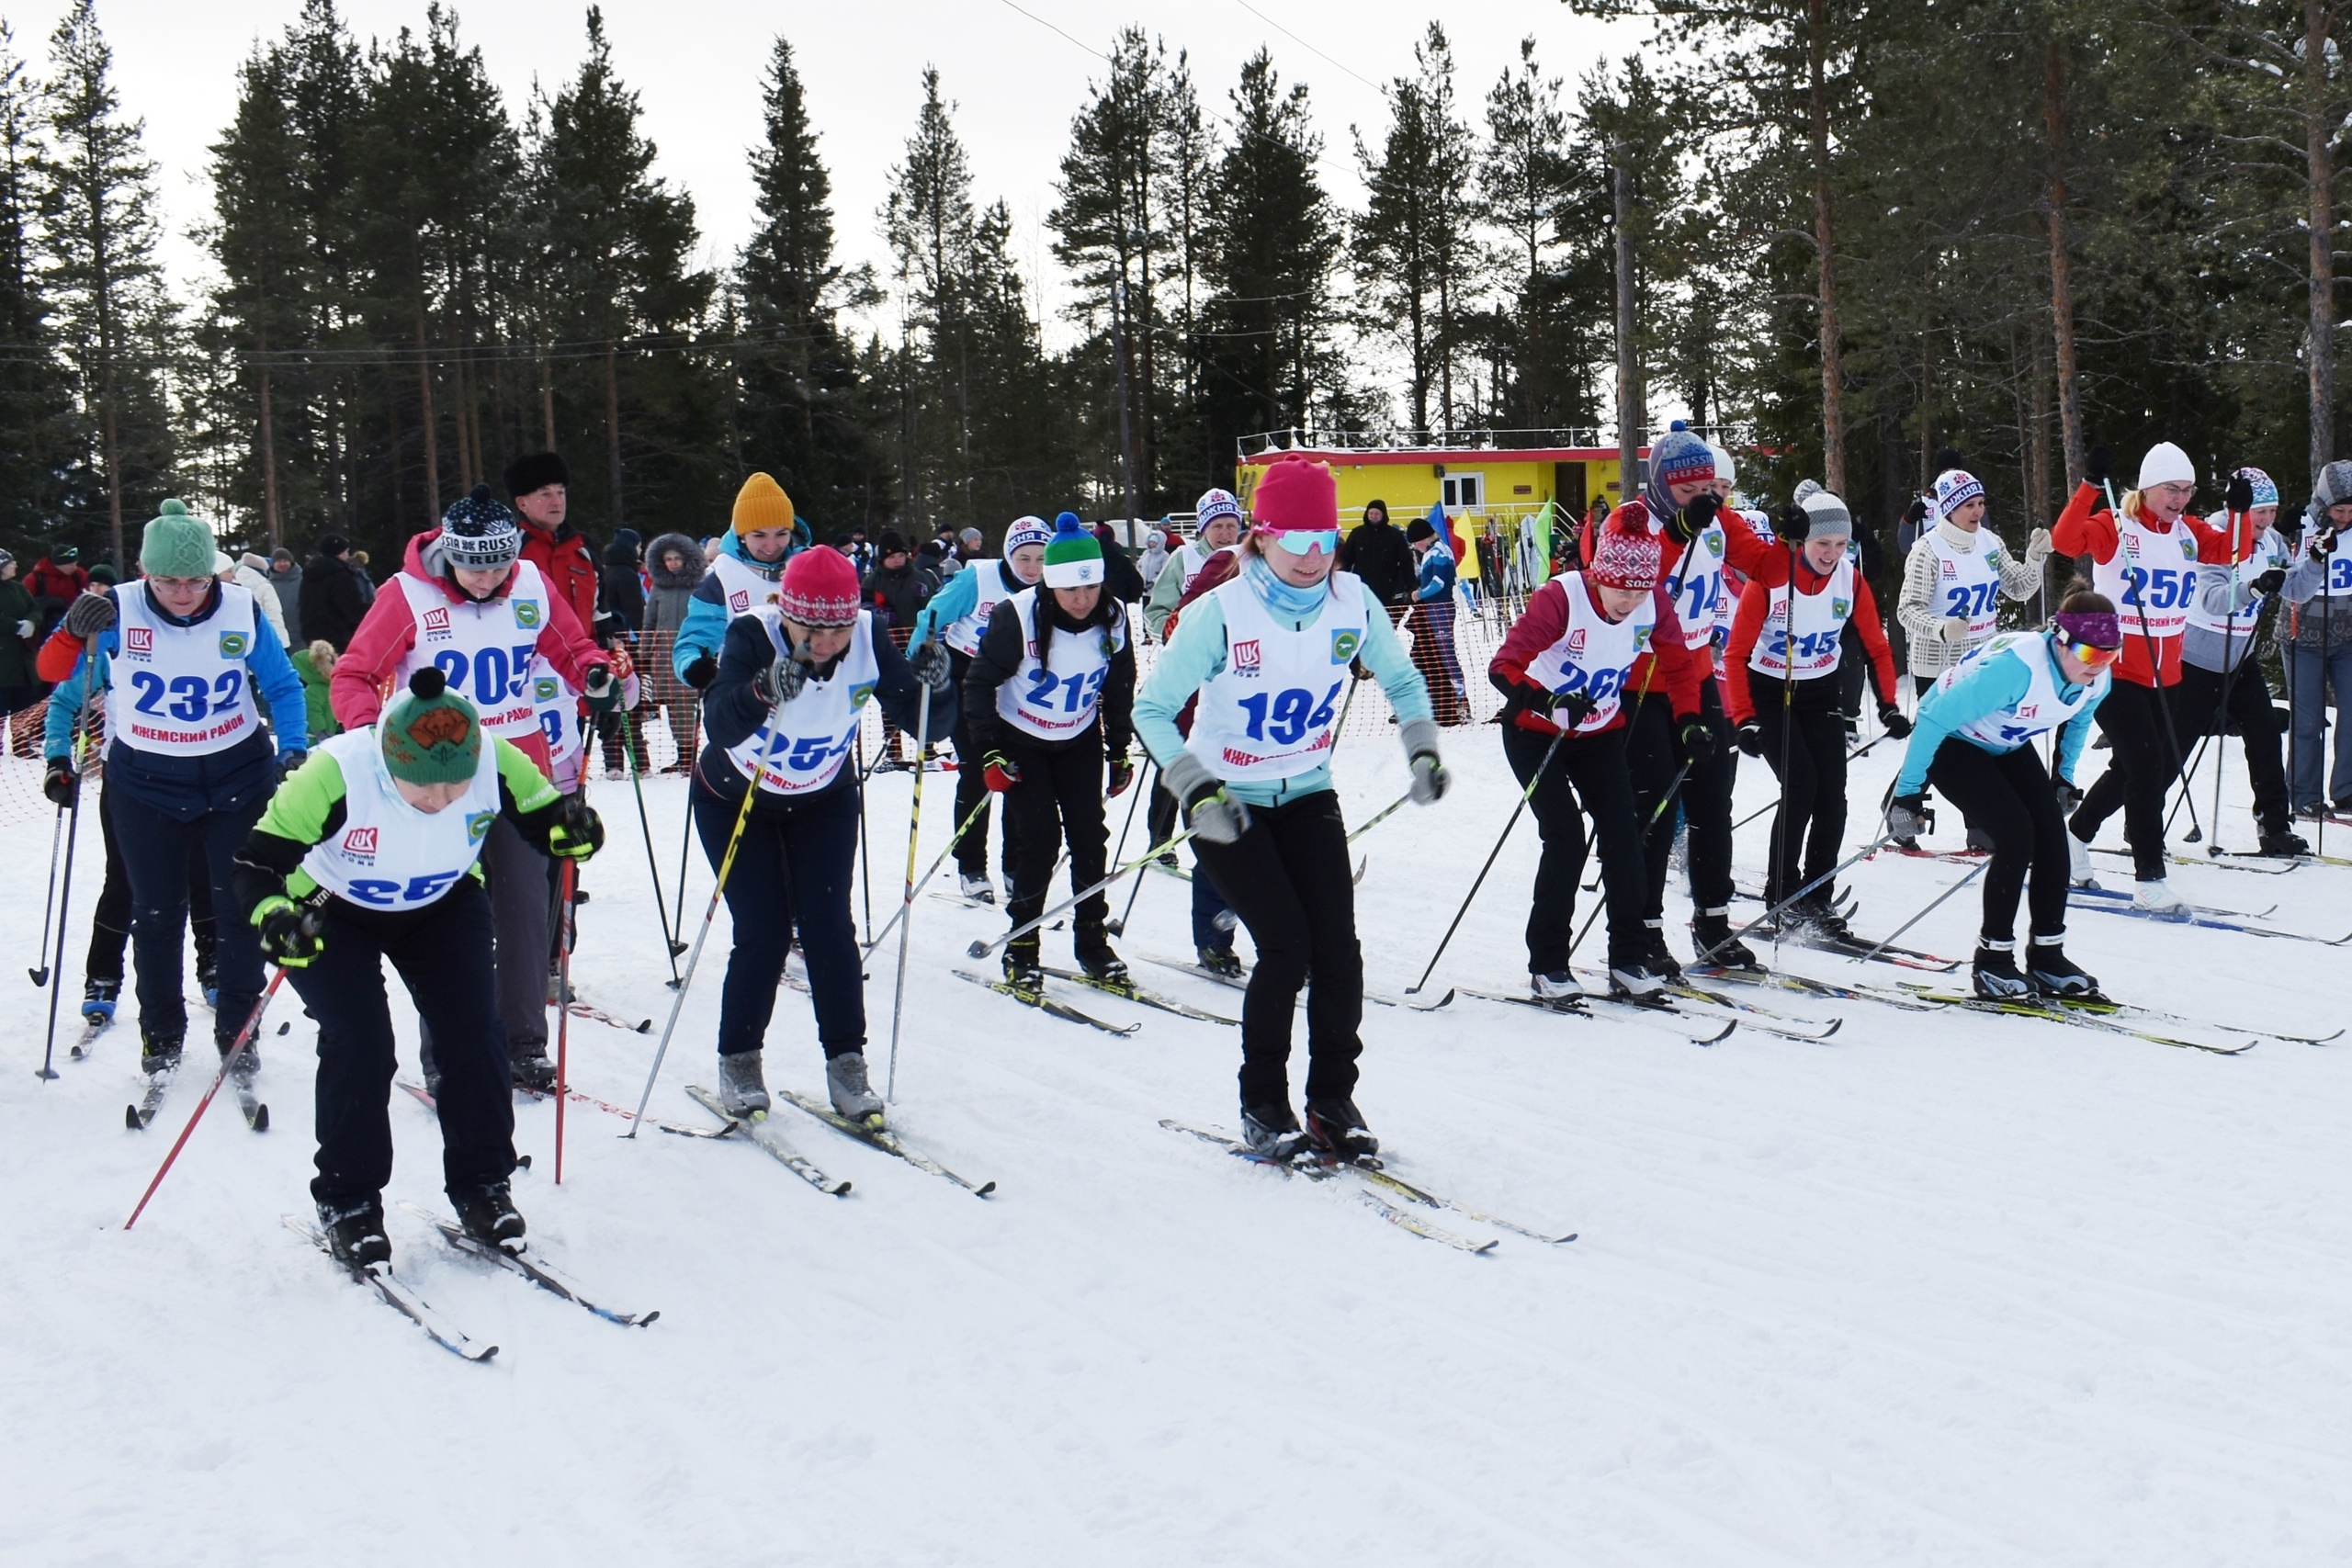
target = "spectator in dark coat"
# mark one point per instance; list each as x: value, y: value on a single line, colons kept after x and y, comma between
x: 676, y: 565
x: 897, y: 589
x: 286, y: 577
x: 332, y: 605
x: 1119, y: 574
x: 1377, y: 552
x: 624, y: 589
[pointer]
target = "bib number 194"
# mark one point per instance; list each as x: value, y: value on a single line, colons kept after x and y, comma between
x: 1286, y: 715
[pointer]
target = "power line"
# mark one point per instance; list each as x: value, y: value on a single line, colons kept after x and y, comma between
x: 1294, y: 38
x: 1043, y: 23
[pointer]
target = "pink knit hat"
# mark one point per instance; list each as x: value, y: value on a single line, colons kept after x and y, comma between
x: 820, y: 588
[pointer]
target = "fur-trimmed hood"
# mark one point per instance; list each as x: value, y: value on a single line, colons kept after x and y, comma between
x: 696, y: 569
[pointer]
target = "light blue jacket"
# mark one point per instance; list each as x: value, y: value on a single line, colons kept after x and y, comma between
x: 704, y: 630
x: 1989, y: 686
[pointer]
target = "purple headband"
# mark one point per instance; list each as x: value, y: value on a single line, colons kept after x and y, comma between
x: 2096, y: 629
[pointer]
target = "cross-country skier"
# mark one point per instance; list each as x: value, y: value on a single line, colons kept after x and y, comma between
x: 793, y: 678
x: 2147, y: 562
x: 958, y: 616
x: 2316, y: 645
x: 1268, y: 654
x: 1785, y: 702
x: 2243, y: 567
x: 1953, y: 580
x: 763, y: 535
x: 1974, y: 740
x: 1216, y: 526
x: 465, y: 602
x: 180, y: 652
x: 1566, y: 669
x: 1048, y: 700
x: 369, y: 852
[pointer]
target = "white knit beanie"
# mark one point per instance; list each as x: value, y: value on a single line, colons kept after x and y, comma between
x: 2166, y: 464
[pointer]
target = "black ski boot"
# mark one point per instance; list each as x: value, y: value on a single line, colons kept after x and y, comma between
x: 247, y: 1063
x: 489, y: 1215
x: 1220, y: 961
x: 1996, y: 976
x: 1094, y: 955
x: 1656, y: 954
x: 1021, y: 967
x: 1711, y: 936
x: 2282, y: 842
x: 1273, y: 1129
x: 530, y: 1069
x: 1820, y: 920
x: 354, y: 1232
x: 2054, y: 973
x: 1336, y: 1127
x: 159, y: 1054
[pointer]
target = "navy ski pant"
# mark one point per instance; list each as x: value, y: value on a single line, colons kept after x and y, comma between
x: 110, y: 919
x: 1059, y: 795
x: 157, y: 851
x: 793, y: 867
x: 1590, y: 769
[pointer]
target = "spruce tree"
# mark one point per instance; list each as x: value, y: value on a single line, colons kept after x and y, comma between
x: 36, y: 403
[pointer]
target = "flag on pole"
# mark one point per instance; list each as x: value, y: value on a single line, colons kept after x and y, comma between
x: 1535, y: 547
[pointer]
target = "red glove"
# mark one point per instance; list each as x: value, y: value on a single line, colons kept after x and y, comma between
x: 1002, y: 774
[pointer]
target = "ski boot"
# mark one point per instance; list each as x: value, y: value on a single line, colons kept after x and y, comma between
x: 354, y: 1232
x: 1554, y: 986
x: 1219, y: 961
x: 1021, y: 967
x: 530, y: 1069
x: 1711, y: 936
x: 247, y: 1062
x: 742, y: 1089
x: 1634, y: 978
x: 2078, y: 862
x: 1820, y: 918
x: 853, y: 1096
x: 159, y: 1054
x: 2283, y: 842
x: 1995, y: 976
x: 98, y: 996
x: 1980, y: 843
x: 2157, y: 898
x: 1656, y: 954
x: 2054, y: 973
x: 1336, y: 1127
x: 1273, y: 1129
x: 978, y: 889
x: 489, y: 1216
x: 207, y: 981
x: 1094, y: 955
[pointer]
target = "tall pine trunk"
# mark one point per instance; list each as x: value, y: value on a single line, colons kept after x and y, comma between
x: 269, y: 456
x: 425, y: 399
x: 612, y: 422
x: 2318, y: 130
x: 2062, y: 274
x: 1825, y: 238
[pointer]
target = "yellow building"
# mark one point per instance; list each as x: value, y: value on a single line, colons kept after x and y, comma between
x: 1478, y: 486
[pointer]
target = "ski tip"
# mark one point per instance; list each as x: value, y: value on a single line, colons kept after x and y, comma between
x: 260, y: 1119
x: 977, y: 949
x: 522, y: 1162
x: 836, y: 1188
x: 1491, y: 1242
x: 982, y: 1190
x: 131, y: 1119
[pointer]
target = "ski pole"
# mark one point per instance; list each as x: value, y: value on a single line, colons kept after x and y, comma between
x: 40, y: 972
x: 922, y: 882
x: 865, y: 853
x: 2229, y: 673
x: 1864, y: 853
x: 726, y: 865
x: 1644, y: 832
x: 1973, y: 873
x: 230, y: 1058
x: 1383, y: 815
x: 1524, y: 796
x: 645, y: 826
x: 982, y: 949
x: 64, y: 896
x: 1780, y: 824
x: 2156, y: 683
x: 570, y: 880
x: 906, y: 920
x: 1142, y: 788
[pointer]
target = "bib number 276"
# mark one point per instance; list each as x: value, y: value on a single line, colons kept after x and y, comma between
x: 1286, y: 715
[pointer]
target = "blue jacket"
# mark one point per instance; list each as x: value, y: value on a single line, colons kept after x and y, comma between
x: 1989, y: 686
x: 704, y: 631
x: 955, y: 600
x: 1435, y: 574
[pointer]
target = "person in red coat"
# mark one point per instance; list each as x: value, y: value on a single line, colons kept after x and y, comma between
x: 540, y: 486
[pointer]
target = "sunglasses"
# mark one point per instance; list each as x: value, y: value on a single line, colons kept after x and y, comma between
x: 1304, y: 541
x: 2090, y: 654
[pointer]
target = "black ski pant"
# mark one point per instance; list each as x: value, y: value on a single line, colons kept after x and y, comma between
x: 158, y: 853
x: 442, y: 954
x: 1809, y: 826
x: 792, y: 868
x: 2257, y: 720
x: 1287, y: 878
x: 1590, y: 768
x: 972, y: 788
x: 2142, y: 766
x: 1653, y: 753
x: 2009, y: 795
x: 110, y: 921
x: 1059, y: 794
x: 1922, y: 685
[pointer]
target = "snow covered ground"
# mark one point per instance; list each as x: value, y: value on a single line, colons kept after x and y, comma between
x: 1944, y: 1289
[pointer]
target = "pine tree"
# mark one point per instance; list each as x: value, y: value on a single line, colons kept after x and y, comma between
x: 1414, y: 261
x: 36, y: 404
x: 1530, y: 187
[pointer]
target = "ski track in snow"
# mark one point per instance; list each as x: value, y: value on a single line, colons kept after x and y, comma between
x: 1950, y: 1289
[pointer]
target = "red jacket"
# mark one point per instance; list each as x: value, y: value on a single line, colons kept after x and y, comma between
x: 2080, y: 531
x: 1749, y: 623
x: 50, y: 580
x: 356, y: 692
x: 564, y: 559
x: 1670, y: 670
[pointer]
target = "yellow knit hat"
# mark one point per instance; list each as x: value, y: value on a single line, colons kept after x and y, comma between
x: 762, y: 503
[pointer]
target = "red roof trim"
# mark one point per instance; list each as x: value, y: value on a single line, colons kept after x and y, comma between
x: 1469, y: 456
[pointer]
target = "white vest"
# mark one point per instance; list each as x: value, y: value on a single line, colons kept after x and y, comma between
x: 1967, y: 584
x: 2268, y: 551
x: 181, y: 691
x: 555, y: 707
x: 2151, y: 573
x: 388, y: 854
x: 485, y: 650
x: 1595, y: 654
x: 2041, y: 710
x: 964, y: 635
x: 1189, y: 558
x: 1269, y: 712
x: 1701, y: 600
x: 2337, y: 581
x: 745, y: 587
x: 1058, y: 698
x: 814, y: 730
x: 1818, y: 621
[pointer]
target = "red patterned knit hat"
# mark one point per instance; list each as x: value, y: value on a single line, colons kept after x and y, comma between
x: 1625, y: 560
x: 820, y: 588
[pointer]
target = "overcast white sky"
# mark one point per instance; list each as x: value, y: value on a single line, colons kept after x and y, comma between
x: 696, y: 64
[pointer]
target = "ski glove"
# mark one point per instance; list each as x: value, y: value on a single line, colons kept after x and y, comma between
x: 1430, y: 777
x: 1209, y: 811
x: 2097, y: 466
x: 1569, y: 709
x: 61, y: 783
x: 1122, y: 774
x: 2270, y: 582
x: 577, y: 832
x: 1904, y: 820
x: 1000, y: 772
x: 291, y: 936
x: 1695, y: 516
x: 2037, y: 547
x: 24, y: 630
x: 1954, y: 630
x: 603, y: 692
x: 2068, y: 795
x: 1891, y: 717
x: 701, y: 672
x: 780, y: 682
x: 2238, y: 494
x: 1915, y: 517
x: 289, y: 762
x: 91, y: 614
x: 930, y: 665
x: 1698, y: 738
x: 1792, y: 522
x: 1751, y: 736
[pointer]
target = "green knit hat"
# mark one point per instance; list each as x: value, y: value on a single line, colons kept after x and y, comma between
x: 176, y: 544
x: 1073, y: 556
x: 430, y: 734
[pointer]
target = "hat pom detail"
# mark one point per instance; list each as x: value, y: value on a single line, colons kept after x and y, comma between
x: 428, y: 682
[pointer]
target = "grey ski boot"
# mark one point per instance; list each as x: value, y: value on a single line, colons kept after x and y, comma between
x: 854, y: 1098
x: 741, y: 1087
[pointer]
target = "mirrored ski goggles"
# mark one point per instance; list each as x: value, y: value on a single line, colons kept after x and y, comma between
x: 2090, y: 653
x: 1303, y: 541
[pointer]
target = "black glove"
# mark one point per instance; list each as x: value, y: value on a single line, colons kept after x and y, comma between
x: 61, y: 783
x: 1915, y: 517
x: 2323, y: 542
x: 1692, y: 520
x: 930, y: 664
x: 1791, y: 522
x: 1699, y: 742
x: 1891, y: 717
x: 289, y: 761
x: 1569, y: 709
x: 2270, y: 582
x: 577, y: 832
x: 1751, y: 736
x: 2097, y: 465
x: 2238, y: 494
x: 780, y: 682
x: 90, y: 614
x: 603, y: 693
x: 290, y: 935
x: 701, y: 672
x: 1122, y: 774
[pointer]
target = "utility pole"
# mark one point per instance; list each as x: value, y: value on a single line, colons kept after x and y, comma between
x: 1119, y: 351
x: 1630, y: 412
